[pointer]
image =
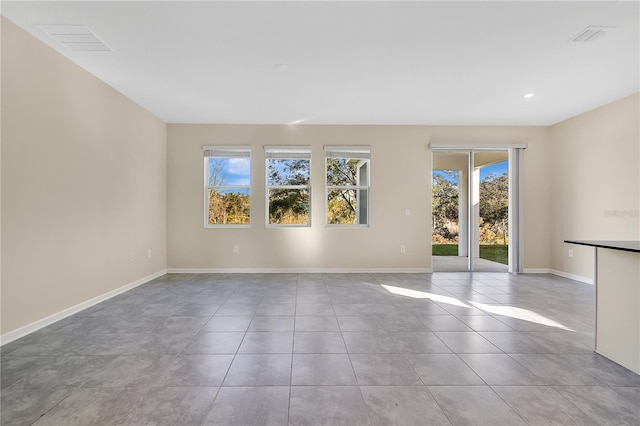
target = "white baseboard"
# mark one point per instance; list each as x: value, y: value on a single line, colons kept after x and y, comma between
x: 44, y: 322
x: 537, y: 271
x: 560, y: 274
x: 574, y: 277
x: 299, y: 270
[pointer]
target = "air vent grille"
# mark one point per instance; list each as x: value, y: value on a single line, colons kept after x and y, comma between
x: 75, y: 37
x: 591, y: 33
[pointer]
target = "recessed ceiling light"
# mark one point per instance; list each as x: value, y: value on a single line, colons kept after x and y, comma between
x: 281, y: 67
x: 529, y: 95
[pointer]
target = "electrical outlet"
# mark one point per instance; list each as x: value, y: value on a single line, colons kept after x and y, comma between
x: 236, y: 249
x: 403, y: 249
x: 148, y: 253
x: 570, y: 252
x: 407, y: 212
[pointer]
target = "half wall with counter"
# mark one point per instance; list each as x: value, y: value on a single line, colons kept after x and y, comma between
x: 617, y: 278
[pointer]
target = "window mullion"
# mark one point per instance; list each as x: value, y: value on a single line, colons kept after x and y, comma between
x: 288, y: 187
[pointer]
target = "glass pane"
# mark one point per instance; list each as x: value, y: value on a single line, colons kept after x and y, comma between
x: 289, y: 207
x: 450, y: 211
x: 493, y: 208
x: 363, y: 206
x: 342, y: 172
x: 347, y: 207
x: 229, y: 207
x: 288, y: 172
x: 229, y: 171
x: 445, y: 209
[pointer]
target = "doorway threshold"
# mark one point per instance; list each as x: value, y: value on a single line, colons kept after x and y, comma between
x: 459, y: 264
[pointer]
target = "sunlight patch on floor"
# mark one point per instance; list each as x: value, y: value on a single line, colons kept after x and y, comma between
x: 519, y: 313
x: 504, y: 310
x: 424, y: 295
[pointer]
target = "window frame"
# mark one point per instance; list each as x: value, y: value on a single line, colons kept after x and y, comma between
x: 355, y: 152
x: 287, y: 152
x: 225, y: 151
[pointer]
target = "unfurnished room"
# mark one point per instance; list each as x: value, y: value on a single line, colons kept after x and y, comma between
x: 320, y: 213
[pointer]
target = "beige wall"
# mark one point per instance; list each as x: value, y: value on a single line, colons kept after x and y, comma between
x: 596, y: 182
x: 400, y: 179
x: 83, y: 184
x: 1, y: 22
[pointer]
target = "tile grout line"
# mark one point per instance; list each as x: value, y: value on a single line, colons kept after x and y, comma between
x: 293, y: 343
x: 215, y: 397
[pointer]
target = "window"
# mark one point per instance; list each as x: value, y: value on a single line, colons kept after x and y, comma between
x: 347, y: 173
x: 227, y: 186
x: 288, y: 185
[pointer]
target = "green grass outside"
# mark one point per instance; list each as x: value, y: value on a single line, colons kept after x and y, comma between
x: 494, y: 253
x: 444, y: 249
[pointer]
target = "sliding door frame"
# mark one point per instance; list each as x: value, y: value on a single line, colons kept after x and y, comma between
x: 516, y: 225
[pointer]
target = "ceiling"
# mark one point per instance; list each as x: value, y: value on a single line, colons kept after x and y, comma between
x: 439, y: 63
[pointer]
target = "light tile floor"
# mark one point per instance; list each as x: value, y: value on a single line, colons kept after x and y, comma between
x: 305, y: 349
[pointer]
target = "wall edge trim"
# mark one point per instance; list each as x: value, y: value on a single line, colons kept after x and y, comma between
x: 297, y: 270
x: 563, y: 274
x: 574, y: 277
x: 537, y: 270
x: 44, y: 322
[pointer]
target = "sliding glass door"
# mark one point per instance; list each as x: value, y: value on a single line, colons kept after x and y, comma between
x: 471, y: 210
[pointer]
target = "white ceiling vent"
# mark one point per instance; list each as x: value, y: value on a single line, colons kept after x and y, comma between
x: 75, y: 37
x: 591, y: 33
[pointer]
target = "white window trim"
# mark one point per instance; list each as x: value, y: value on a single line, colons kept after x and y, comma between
x: 475, y: 146
x: 224, y: 151
x: 362, y: 153
x: 286, y: 152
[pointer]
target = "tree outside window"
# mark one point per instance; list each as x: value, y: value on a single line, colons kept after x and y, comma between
x: 347, y: 175
x: 445, y: 200
x: 227, y: 186
x: 494, y: 209
x: 288, y: 185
